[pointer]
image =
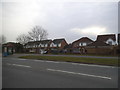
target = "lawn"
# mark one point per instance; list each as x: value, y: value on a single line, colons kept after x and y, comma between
x: 99, y: 61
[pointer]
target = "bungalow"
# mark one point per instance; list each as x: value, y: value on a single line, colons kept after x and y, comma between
x: 80, y: 44
x: 57, y: 45
x: 108, y: 39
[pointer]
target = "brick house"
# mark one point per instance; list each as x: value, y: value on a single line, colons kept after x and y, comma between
x: 68, y: 48
x: 79, y: 45
x: 108, y: 39
x: 99, y: 47
x: 104, y: 44
x: 57, y: 45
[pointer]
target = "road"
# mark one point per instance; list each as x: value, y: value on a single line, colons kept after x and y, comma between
x: 24, y: 73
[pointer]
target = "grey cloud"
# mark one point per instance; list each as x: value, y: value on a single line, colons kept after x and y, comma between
x: 60, y: 18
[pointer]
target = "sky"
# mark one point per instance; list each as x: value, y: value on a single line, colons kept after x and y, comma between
x: 69, y: 19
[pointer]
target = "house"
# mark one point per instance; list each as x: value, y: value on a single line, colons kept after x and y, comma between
x: 108, y: 39
x: 11, y: 47
x: 84, y: 41
x: 80, y: 44
x: 118, y: 47
x: 99, y: 47
x: 57, y: 45
x: 31, y: 47
x: 44, y: 45
x: 68, y: 48
x: 37, y: 46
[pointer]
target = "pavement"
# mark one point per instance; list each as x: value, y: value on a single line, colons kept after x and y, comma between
x: 25, y: 73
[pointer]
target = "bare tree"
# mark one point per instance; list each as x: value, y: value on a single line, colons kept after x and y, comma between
x: 23, y: 38
x: 2, y: 39
x: 38, y: 34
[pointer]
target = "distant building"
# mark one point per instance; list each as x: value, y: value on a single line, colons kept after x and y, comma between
x: 79, y: 45
x: 37, y: 46
x: 12, y: 47
x: 104, y: 44
x: 68, y: 48
x: 57, y: 45
x: 108, y: 39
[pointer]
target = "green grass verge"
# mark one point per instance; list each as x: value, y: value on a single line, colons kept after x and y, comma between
x: 99, y: 61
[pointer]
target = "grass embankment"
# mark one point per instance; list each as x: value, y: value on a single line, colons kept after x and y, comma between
x: 100, y: 61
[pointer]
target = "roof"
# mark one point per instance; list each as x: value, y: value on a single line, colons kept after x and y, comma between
x: 37, y: 42
x: 83, y: 39
x: 45, y: 41
x: 11, y: 44
x: 106, y: 37
x: 57, y: 41
x: 68, y: 46
x: 98, y: 43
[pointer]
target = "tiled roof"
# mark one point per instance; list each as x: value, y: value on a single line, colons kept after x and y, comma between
x: 68, y: 46
x: 57, y: 41
x: 38, y: 42
x: 45, y: 41
x: 98, y: 43
x: 106, y: 37
x: 83, y: 39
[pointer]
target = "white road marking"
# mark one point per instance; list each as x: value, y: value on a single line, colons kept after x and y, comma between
x: 92, y: 65
x: 103, y: 77
x: 70, y: 63
x: 19, y: 65
x: 52, y: 61
x: 9, y: 64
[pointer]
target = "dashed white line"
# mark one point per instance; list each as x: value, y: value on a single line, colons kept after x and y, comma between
x: 71, y: 63
x: 52, y: 61
x: 92, y: 65
x: 103, y: 77
x: 39, y: 60
x: 9, y: 64
x: 19, y: 65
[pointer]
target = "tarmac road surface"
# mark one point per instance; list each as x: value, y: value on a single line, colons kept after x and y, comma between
x: 25, y: 73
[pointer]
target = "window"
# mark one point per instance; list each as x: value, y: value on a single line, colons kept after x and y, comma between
x: 110, y: 42
x: 51, y: 45
x: 42, y: 45
x: 55, y: 45
x: 46, y: 45
x: 82, y: 44
x: 59, y: 45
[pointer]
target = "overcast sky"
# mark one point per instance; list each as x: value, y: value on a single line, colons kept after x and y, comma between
x: 65, y: 19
